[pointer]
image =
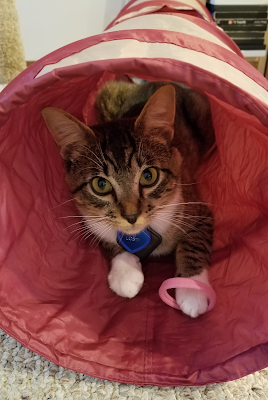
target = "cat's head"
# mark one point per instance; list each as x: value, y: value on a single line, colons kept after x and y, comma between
x: 121, y: 173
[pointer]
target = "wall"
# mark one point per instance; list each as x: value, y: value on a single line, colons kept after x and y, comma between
x: 47, y: 25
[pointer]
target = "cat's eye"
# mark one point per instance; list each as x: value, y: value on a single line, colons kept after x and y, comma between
x: 149, y: 177
x: 101, y: 186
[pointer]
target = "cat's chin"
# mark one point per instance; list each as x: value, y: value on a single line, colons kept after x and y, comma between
x: 133, y: 230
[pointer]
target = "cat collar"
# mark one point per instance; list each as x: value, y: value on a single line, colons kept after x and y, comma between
x: 141, y: 244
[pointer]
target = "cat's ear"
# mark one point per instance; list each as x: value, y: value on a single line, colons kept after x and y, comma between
x: 158, y: 114
x: 66, y: 130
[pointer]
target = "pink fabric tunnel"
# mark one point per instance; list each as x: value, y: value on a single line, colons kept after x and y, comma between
x: 54, y: 296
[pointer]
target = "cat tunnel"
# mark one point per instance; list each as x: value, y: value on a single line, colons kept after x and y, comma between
x: 54, y: 296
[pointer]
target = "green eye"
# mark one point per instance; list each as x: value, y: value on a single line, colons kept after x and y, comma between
x: 149, y: 177
x: 101, y: 185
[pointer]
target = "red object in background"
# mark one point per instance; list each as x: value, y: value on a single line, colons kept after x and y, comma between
x: 54, y: 296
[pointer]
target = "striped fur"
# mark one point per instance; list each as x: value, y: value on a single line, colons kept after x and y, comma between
x: 131, y: 138
x: 190, y: 228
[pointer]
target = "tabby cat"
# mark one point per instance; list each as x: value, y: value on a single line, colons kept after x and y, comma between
x: 134, y: 174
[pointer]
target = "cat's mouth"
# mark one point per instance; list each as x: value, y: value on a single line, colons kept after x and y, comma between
x: 132, y: 230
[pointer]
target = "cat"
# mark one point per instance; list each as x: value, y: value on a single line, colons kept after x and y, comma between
x: 134, y: 172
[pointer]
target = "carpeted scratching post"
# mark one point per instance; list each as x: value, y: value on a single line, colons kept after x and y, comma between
x: 12, y: 59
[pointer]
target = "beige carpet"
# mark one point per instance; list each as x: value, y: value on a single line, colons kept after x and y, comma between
x: 27, y: 376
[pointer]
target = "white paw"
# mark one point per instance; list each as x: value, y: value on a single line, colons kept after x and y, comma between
x: 126, y: 277
x: 192, y: 302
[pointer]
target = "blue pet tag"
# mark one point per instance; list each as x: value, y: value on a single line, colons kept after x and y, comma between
x: 134, y: 243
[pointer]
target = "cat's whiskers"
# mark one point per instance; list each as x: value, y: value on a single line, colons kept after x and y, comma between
x: 82, y: 231
x: 140, y: 150
x: 69, y: 226
x: 94, y: 154
x: 82, y: 216
x: 87, y: 234
x: 166, y: 215
x: 189, y: 216
x: 103, y: 235
x: 100, y: 232
x: 189, y: 226
x: 83, y: 222
x: 186, y: 184
x: 67, y: 201
x: 72, y: 216
x: 84, y: 236
x: 99, y: 146
x: 193, y: 183
x: 90, y: 233
x: 147, y: 162
x: 176, y: 217
x: 171, y: 222
x: 186, y: 203
x: 91, y: 159
x: 84, y: 169
x: 121, y: 236
x: 95, y: 217
x: 96, y: 223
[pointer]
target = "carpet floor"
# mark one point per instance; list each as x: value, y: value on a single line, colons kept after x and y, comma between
x: 26, y: 376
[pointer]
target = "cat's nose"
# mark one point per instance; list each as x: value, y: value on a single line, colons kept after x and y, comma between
x: 131, y: 218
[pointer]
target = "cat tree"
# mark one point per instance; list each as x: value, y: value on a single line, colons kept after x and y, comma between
x: 12, y: 60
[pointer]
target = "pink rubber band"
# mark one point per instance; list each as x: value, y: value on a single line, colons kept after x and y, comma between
x: 187, y: 283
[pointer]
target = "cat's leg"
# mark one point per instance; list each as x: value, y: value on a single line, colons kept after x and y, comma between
x: 126, y: 276
x: 191, y: 301
x: 193, y: 254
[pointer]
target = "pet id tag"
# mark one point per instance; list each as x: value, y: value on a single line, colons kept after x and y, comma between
x: 141, y: 244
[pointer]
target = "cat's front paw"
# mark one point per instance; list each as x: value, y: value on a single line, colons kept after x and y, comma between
x: 126, y: 277
x: 191, y: 301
